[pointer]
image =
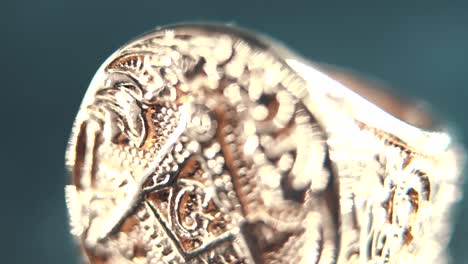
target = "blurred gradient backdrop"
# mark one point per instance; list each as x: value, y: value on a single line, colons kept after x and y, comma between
x: 50, y: 50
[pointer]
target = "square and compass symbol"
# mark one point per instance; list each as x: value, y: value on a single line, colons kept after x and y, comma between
x: 188, y: 212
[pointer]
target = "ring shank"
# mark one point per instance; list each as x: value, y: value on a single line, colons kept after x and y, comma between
x: 377, y: 92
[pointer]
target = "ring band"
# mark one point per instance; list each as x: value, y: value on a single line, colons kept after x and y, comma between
x: 208, y: 144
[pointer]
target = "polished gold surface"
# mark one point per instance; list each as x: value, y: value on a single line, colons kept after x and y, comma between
x: 206, y: 144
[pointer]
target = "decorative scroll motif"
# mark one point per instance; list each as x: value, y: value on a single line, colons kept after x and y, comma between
x: 197, y: 147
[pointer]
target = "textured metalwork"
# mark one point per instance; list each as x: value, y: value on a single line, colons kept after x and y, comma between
x: 205, y: 144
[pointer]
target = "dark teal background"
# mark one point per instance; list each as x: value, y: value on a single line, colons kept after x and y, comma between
x: 50, y: 50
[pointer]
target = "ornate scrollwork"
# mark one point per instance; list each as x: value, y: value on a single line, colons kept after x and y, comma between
x: 201, y: 145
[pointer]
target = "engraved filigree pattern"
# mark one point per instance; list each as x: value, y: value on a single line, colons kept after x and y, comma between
x: 195, y: 145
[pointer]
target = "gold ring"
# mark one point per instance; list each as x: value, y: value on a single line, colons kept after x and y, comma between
x: 209, y: 144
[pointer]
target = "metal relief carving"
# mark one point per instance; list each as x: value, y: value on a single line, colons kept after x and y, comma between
x: 199, y: 146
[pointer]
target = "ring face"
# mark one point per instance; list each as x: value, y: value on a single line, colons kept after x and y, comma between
x: 202, y: 144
